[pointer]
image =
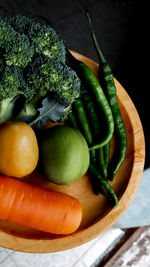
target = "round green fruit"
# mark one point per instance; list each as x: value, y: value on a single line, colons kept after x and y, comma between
x: 64, y: 154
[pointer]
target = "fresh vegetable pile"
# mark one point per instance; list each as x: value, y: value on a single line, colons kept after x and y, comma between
x: 41, y: 81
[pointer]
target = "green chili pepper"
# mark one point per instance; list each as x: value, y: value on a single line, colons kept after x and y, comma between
x: 93, y: 158
x: 100, y: 184
x: 97, y: 156
x: 88, y: 78
x: 105, y: 184
x: 106, y: 150
x: 79, y: 108
x: 110, y: 90
x: 98, y: 187
x: 101, y: 161
x: 72, y: 121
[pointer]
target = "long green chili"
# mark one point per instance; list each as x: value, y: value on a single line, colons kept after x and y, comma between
x: 97, y: 156
x: 79, y: 108
x: 90, y: 81
x: 105, y: 184
x: 72, y: 121
x: 110, y: 90
x: 100, y: 184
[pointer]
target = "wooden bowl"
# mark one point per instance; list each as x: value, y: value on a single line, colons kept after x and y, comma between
x: 98, y: 215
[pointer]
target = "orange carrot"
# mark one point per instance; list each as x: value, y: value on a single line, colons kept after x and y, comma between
x: 38, y: 208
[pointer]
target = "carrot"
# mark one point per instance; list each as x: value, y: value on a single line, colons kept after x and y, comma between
x: 38, y: 208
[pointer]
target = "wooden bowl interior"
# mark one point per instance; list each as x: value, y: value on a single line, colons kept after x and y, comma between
x: 98, y: 215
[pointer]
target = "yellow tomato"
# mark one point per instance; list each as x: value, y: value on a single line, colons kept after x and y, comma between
x: 19, y: 151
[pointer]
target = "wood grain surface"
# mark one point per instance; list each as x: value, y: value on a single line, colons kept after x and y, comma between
x: 98, y: 215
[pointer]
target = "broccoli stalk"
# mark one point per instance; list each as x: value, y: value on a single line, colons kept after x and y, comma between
x: 9, y: 91
x: 6, y: 107
x: 29, y: 111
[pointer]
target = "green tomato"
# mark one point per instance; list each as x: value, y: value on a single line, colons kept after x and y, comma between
x: 64, y: 154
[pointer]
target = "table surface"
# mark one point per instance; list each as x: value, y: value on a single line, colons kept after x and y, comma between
x: 115, y: 247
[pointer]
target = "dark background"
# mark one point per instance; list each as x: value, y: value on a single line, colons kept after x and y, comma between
x: 118, y: 26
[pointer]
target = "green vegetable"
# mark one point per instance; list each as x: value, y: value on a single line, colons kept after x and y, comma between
x: 90, y: 81
x: 106, y: 154
x: 105, y: 184
x: 33, y: 66
x: 19, y: 23
x: 110, y: 90
x: 97, y: 156
x: 47, y: 42
x: 64, y: 154
x: 17, y: 48
x: 85, y: 112
x: 100, y: 184
x: 72, y: 121
x: 9, y: 89
x: 83, y: 120
x: 101, y: 161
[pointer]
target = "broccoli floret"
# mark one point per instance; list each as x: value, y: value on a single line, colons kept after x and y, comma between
x: 2, y: 64
x: 70, y: 86
x: 2, y: 67
x: 48, y: 75
x: 17, y: 47
x: 10, y: 82
x: 47, y: 42
x: 19, y: 51
x: 45, y: 73
x: 19, y: 23
x: 25, y: 88
x: 6, y: 33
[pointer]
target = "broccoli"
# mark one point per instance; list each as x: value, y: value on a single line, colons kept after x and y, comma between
x: 18, y: 49
x: 19, y: 23
x: 33, y: 65
x: 48, y: 75
x: 52, y: 79
x: 47, y: 42
x: 6, y: 33
x: 44, y: 38
x: 2, y: 64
